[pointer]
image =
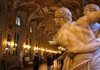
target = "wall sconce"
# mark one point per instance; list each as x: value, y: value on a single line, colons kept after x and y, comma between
x: 51, y: 51
x: 15, y: 44
x: 42, y: 49
x: 10, y: 43
x: 26, y: 46
x: 59, y: 52
x: 36, y: 48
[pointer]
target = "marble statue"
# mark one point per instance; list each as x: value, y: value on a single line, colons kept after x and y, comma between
x: 78, y: 39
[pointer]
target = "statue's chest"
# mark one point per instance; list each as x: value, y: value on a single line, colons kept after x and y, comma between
x: 75, y: 35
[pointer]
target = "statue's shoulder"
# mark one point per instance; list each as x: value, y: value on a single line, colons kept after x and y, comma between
x: 68, y: 25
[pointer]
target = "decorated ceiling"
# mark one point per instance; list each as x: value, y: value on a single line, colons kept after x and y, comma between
x: 41, y: 11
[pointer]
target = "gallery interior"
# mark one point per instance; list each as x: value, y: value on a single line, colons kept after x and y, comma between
x: 28, y: 26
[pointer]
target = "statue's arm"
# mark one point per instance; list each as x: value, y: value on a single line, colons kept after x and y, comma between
x: 87, y: 48
x: 89, y: 19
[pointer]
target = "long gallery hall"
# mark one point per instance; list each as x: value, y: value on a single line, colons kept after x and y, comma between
x: 32, y: 35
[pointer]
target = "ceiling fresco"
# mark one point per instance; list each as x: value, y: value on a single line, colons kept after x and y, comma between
x: 42, y: 11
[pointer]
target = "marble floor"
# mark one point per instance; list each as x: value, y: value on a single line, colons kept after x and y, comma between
x: 43, y: 66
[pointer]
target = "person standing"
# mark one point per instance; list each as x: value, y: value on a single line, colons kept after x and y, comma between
x: 36, y: 61
x: 49, y: 59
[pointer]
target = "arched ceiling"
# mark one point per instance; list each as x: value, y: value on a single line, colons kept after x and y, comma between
x: 40, y: 10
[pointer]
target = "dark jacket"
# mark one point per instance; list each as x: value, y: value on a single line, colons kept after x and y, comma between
x: 49, y: 61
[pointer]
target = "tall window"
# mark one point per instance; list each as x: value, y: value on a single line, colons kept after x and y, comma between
x: 18, y: 21
x: 30, y: 29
